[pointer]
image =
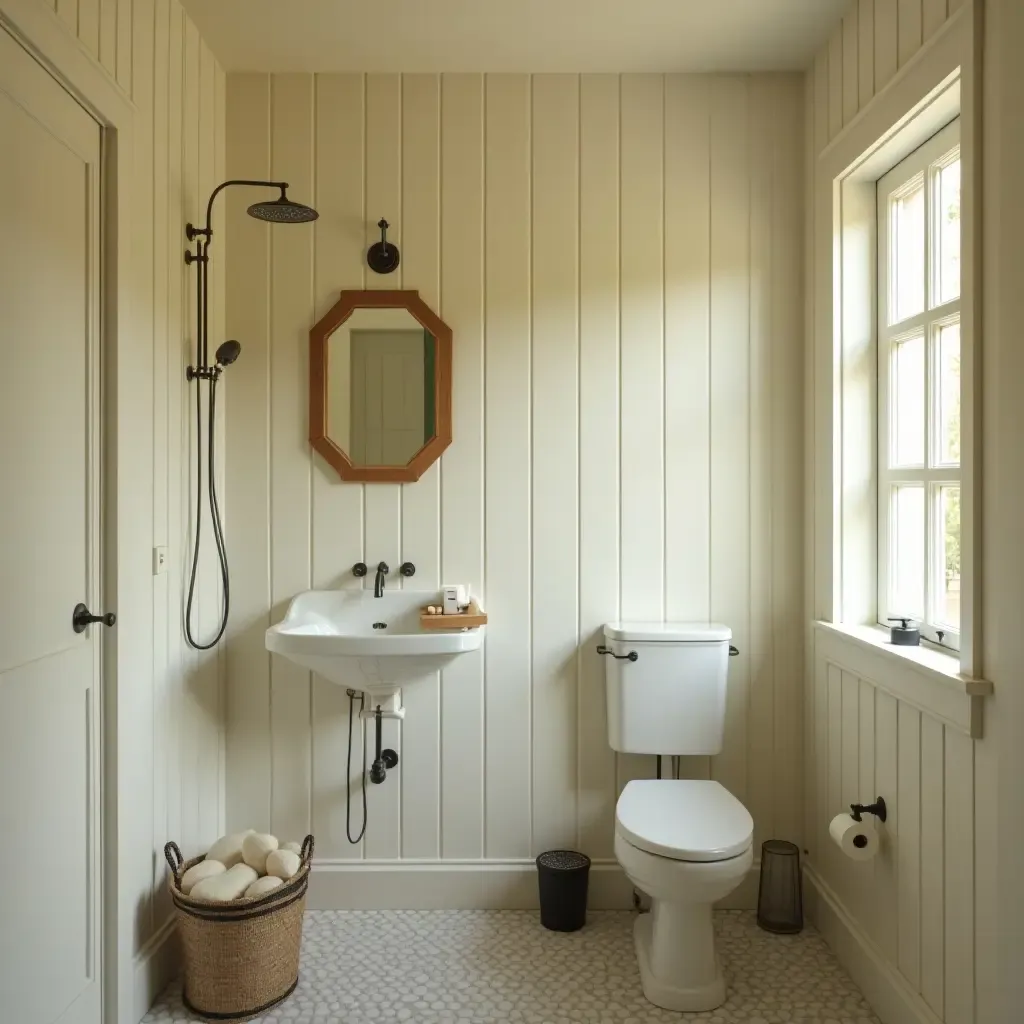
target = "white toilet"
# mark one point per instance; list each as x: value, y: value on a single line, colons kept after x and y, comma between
x: 684, y: 843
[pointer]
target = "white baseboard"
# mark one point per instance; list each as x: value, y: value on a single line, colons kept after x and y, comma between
x: 889, y: 993
x: 467, y: 885
x: 156, y: 966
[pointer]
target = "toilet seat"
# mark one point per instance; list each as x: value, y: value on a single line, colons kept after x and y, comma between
x: 684, y: 819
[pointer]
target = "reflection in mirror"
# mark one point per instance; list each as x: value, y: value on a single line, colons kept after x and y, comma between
x: 380, y: 387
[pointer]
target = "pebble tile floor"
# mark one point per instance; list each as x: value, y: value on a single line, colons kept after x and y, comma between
x: 478, y: 967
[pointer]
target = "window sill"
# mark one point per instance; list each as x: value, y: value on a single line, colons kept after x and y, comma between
x: 925, y: 677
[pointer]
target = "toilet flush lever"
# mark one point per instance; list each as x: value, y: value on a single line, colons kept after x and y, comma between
x: 632, y: 656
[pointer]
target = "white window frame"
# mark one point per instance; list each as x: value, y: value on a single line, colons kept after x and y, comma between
x: 921, y: 167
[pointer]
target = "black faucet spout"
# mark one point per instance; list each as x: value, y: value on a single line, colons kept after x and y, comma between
x: 378, y: 583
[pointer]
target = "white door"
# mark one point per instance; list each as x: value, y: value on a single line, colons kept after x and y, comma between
x: 388, y: 408
x: 49, y: 560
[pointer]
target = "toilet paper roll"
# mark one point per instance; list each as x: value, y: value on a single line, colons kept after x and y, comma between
x: 857, y: 839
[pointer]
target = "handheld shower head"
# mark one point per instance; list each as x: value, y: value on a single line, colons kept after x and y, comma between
x: 282, y: 211
x: 228, y: 352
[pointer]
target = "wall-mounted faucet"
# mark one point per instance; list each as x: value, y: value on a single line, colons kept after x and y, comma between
x: 378, y: 583
x: 359, y: 569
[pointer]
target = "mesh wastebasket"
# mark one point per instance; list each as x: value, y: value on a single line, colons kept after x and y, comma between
x: 780, y: 906
x: 562, y: 876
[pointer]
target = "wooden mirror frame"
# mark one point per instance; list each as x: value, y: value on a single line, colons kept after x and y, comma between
x: 319, y: 336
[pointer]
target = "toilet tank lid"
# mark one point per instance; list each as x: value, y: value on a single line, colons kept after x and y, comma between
x: 668, y: 632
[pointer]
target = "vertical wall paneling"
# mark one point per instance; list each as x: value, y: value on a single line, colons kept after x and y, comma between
x: 851, y: 64
x: 108, y: 35
x: 784, y: 364
x: 835, y: 82
x: 68, y: 11
x: 125, y: 45
x: 959, y: 862
x: 339, y: 245
x: 166, y: 630
x: 908, y: 20
x: 617, y: 257
x: 933, y: 14
x: 850, y: 758
x: 730, y: 408
x: 687, y: 346
x: 834, y: 772
x: 933, y: 823
x: 177, y: 448
x: 463, y: 465
x: 865, y: 52
x: 382, y: 503
x: 554, y: 393
x: 209, y: 727
x: 290, y: 316
x: 599, y: 428
x: 193, y: 211
x: 909, y: 848
x: 687, y: 377
x: 247, y: 248
x: 89, y: 25
x: 866, y: 898
x: 641, y: 431
x: 508, y: 517
x: 886, y: 863
x: 759, y: 654
x: 421, y: 502
x: 886, y: 39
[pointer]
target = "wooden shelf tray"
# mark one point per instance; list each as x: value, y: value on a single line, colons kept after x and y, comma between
x: 471, y: 618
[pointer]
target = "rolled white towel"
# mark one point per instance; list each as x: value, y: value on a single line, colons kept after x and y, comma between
x: 294, y: 847
x: 255, y: 849
x: 263, y: 885
x: 226, y: 886
x: 283, y: 863
x: 228, y: 849
x: 204, y: 869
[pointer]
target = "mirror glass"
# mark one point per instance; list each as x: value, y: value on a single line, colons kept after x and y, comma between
x: 380, y: 387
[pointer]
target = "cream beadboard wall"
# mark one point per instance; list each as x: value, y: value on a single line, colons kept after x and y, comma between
x: 618, y: 257
x: 912, y: 925
x: 155, y: 54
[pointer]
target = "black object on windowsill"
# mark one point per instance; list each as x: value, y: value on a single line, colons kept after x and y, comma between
x: 780, y: 904
x: 904, y: 635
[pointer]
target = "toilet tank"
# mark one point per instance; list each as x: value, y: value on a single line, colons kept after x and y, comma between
x: 670, y: 697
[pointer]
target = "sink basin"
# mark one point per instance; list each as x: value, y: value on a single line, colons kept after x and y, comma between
x: 374, y: 644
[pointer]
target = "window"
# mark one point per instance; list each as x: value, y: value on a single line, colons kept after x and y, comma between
x: 919, y: 389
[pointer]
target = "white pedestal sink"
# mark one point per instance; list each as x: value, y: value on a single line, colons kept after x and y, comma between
x: 373, y: 644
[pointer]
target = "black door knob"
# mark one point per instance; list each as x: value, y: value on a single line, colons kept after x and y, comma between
x: 82, y: 618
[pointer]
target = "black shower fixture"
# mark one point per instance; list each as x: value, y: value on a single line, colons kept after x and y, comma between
x: 281, y: 210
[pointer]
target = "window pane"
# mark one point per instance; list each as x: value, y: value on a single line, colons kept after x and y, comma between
x: 908, y: 551
x: 949, y: 394
x: 907, y: 389
x: 948, y: 591
x: 908, y: 254
x: 948, y: 235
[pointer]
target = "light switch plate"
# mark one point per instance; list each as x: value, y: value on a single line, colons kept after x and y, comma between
x: 159, y: 559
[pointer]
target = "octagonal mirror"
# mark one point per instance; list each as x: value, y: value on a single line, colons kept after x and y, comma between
x: 380, y: 386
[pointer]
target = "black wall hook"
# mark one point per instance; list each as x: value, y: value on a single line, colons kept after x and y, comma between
x: 877, y: 809
x: 383, y: 257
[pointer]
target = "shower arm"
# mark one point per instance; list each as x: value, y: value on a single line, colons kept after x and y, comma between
x: 192, y: 232
x: 202, y: 237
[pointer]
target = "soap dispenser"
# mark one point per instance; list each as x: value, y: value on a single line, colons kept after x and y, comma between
x: 904, y: 635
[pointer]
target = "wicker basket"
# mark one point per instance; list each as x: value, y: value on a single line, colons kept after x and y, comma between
x: 242, y: 957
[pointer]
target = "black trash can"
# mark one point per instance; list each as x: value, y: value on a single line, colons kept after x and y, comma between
x: 562, y: 876
x: 780, y: 905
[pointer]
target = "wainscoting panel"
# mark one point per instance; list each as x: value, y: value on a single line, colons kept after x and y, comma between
x: 618, y: 258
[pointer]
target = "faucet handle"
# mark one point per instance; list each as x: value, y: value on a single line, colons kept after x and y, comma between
x: 359, y: 569
x: 407, y: 569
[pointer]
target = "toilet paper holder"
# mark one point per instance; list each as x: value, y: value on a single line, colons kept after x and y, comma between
x: 877, y: 809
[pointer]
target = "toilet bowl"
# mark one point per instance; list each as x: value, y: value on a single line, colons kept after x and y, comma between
x: 686, y: 844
